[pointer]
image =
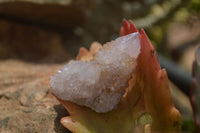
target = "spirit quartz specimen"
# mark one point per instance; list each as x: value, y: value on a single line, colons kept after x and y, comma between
x: 109, y: 88
x: 101, y: 82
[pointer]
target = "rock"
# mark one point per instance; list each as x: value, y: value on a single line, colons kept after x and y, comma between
x: 33, y: 30
x: 30, y: 42
x: 62, y: 13
x: 26, y: 104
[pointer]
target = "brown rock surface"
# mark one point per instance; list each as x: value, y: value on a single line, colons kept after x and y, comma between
x: 57, y: 13
x: 26, y: 105
x: 37, y: 29
x: 29, y: 42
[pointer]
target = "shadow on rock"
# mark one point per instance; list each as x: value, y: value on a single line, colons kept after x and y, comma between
x: 61, y: 112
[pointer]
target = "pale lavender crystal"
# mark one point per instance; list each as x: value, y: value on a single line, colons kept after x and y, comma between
x: 100, y: 83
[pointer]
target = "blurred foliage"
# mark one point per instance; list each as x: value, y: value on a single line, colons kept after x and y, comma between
x: 181, y: 15
x: 162, y: 15
x: 188, y: 126
x: 194, y: 6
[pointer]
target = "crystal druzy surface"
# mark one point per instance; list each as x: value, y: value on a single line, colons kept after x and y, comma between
x: 100, y: 83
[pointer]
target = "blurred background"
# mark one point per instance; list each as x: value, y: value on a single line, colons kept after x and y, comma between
x: 38, y: 36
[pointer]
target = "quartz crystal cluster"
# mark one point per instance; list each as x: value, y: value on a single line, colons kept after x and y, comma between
x: 101, y: 82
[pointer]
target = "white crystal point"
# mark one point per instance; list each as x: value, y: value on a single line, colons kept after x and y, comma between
x: 100, y: 83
